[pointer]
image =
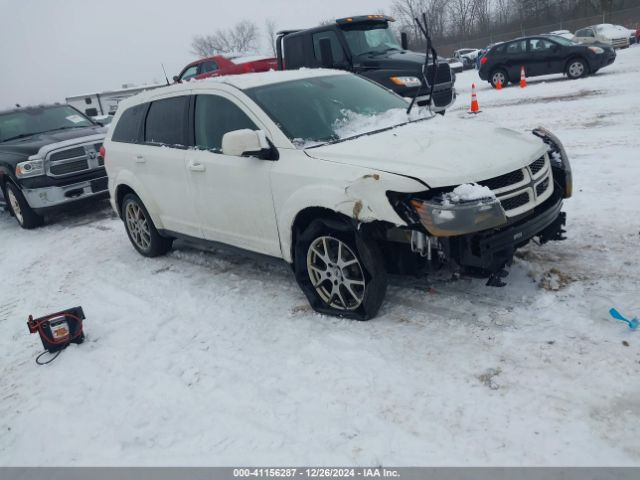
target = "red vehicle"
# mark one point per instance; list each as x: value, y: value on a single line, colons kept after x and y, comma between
x: 225, y: 65
x: 638, y: 35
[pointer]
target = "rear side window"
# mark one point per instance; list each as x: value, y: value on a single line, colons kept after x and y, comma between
x: 128, y: 127
x: 216, y: 116
x: 166, y: 122
x: 336, y: 48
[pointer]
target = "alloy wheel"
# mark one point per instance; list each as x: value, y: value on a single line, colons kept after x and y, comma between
x: 499, y: 76
x: 336, y: 274
x: 576, y: 69
x: 138, y: 226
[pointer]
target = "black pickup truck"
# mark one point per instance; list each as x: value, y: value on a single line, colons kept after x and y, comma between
x: 49, y: 159
x: 365, y: 45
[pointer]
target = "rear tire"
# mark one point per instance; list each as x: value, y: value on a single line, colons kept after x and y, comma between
x: 340, y: 270
x: 20, y: 209
x: 140, y: 228
x: 577, y: 68
x: 499, y: 74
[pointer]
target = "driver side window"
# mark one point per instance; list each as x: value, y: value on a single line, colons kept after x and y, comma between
x: 189, y: 73
x: 215, y: 116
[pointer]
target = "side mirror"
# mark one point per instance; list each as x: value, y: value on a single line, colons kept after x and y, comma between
x: 326, y: 54
x: 176, y: 79
x: 404, y: 41
x: 248, y: 143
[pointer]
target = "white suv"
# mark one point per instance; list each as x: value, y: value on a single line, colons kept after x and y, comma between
x: 327, y: 171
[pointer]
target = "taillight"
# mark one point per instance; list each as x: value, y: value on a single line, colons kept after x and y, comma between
x: 483, y: 60
x: 102, y: 153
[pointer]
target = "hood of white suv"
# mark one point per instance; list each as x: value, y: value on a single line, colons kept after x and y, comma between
x: 439, y: 153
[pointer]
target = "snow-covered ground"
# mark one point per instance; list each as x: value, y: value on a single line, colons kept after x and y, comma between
x: 215, y: 358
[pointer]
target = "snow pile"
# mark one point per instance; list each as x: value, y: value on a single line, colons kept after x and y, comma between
x: 352, y: 123
x: 468, y: 193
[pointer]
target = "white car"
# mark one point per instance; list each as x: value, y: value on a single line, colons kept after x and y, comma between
x: 612, y: 35
x: 326, y: 170
x: 467, y: 56
x: 563, y: 33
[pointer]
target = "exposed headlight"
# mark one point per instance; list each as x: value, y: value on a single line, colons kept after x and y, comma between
x: 406, y: 81
x: 597, y: 50
x: 558, y: 156
x: 446, y: 219
x: 30, y: 168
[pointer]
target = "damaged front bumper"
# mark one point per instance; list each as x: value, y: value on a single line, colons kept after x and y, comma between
x: 489, y: 252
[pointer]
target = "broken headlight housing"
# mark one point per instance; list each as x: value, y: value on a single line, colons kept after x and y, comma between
x: 443, y: 218
x: 34, y: 167
x: 559, y: 160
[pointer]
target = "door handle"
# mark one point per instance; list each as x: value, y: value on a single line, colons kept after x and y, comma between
x: 140, y: 159
x: 196, y: 167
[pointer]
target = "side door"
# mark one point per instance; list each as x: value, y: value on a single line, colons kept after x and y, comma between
x: 515, y: 54
x: 544, y: 57
x: 232, y: 194
x: 160, y: 164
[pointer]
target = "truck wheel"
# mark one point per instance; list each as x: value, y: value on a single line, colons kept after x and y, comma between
x: 339, y: 270
x: 24, y: 214
x: 140, y: 228
x: 499, y: 74
x: 577, y: 68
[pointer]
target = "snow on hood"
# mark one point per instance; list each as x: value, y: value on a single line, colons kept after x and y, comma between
x: 611, y: 31
x: 440, y: 152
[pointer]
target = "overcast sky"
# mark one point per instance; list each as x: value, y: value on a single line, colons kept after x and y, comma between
x: 51, y: 49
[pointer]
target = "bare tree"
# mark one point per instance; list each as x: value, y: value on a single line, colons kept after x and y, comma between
x: 271, y: 30
x: 241, y: 38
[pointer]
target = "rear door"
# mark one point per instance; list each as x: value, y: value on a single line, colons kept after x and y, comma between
x: 232, y: 194
x: 160, y: 164
x: 515, y: 54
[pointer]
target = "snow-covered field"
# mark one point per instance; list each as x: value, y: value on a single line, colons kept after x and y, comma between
x: 214, y: 358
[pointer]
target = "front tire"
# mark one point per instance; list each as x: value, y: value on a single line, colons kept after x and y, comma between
x: 577, y: 68
x: 21, y: 210
x: 140, y: 228
x: 340, y: 270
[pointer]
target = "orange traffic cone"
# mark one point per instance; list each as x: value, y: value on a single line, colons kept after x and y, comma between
x: 475, y: 108
x: 523, y: 78
x: 499, y: 85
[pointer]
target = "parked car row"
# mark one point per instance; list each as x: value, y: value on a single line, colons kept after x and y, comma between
x: 542, y: 55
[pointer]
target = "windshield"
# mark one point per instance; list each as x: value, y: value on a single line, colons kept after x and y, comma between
x: 30, y: 121
x: 324, y: 109
x: 370, y: 38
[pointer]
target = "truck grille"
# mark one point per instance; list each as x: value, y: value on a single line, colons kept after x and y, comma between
x: 521, y: 190
x: 73, y: 160
x: 619, y: 42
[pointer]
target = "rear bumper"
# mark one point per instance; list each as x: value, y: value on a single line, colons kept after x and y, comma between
x: 45, y: 199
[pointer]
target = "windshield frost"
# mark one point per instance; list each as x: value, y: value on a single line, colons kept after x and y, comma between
x: 324, y: 109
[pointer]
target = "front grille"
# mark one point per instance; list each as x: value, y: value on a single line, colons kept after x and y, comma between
x: 71, y: 153
x: 504, y: 180
x: 70, y: 167
x: 515, y: 202
x: 542, y: 187
x: 74, y: 159
x: 538, y: 165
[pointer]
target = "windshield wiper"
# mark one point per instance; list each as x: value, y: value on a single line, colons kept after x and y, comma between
x: 22, y: 135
